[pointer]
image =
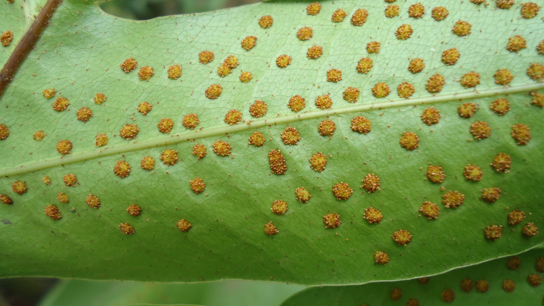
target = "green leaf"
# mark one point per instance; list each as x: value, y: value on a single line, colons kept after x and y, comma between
x: 80, y: 54
x: 494, y: 272
x: 224, y: 293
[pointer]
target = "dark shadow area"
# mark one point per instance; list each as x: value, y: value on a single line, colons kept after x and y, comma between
x: 148, y: 9
x: 24, y: 291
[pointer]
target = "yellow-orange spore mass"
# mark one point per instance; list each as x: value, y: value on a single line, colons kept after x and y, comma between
x: 61, y: 104
x: 334, y: 75
x: 473, y: 173
x: 482, y: 285
x: 480, y: 130
x: 538, y: 99
x: 342, y: 191
x: 513, y: 263
x: 221, y: 148
x: 183, y: 225
x: 283, y: 61
x: 101, y: 140
x: 266, y: 22
x: 503, y: 77
x: 440, y: 13
x: 453, y: 199
x: 332, y: 220
x: 534, y: 279
x: 462, y: 28
x: 190, y: 121
x: 504, y: 4
x: 305, y: 33
x: 129, y: 64
x: 19, y: 187
x: 404, y: 32
x: 396, y: 294
x: 318, y: 162
x: 6, y: 38
x: 381, y: 90
x: 412, y: 302
x: 134, y: 210
x: 121, y: 169
x: 144, y: 108
x: 447, y: 295
x: 174, y: 72
x: 323, y: 101
x: 277, y: 162
x: 197, y: 185
x: 63, y: 198
x: 147, y: 163
x: 381, y: 258
x: 313, y: 9
x: 129, y: 131
x: 258, y: 109
x: 39, y: 135
x: 351, y: 94
x: 364, y: 65
x: 450, y: 56
x: 373, y: 215
x: 471, y: 79
x: 231, y: 61
x: 4, y: 132
x: 529, y: 10
x: 493, y: 232
x: 302, y: 194
x: 539, y: 265
x: 515, y: 217
x: 338, y: 15
x: 371, y: 183
x: 84, y: 114
x: 52, y: 212
x: 165, y: 125
x: 314, y: 52
x: 169, y: 157
x: 70, y: 180
x: 145, y: 73
x: 491, y: 195
x: 529, y: 230
x: 467, y: 110
x: 279, y: 207
x: 359, y: 17
x: 290, y: 136
x: 500, y: 106
x: 270, y: 229
x: 205, y: 57
x: 93, y: 201
x: 416, y: 65
x: 405, y: 90
x: 516, y: 43
x: 540, y: 47
x: 436, y: 174
x: 126, y: 228
x: 214, y: 91
x: 435, y: 83
x: 257, y: 139
x: 409, y: 141
x: 373, y: 47
x: 249, y: 42
x: 327, y: 128
x: 521, y: 134
x: 199, y: 151
x: 4, y: 198
x: 233, y: 117
x: 360, y: 124
x: 502, y: 163
x: 245, y: 76
x: 467, y: 284
x: 392, y: 10
x: 536, y: 72
x: 223, y: 70
x: 416, y: 10
x: 64, y: 147
x: 49, y: 93
x: 430, y: 210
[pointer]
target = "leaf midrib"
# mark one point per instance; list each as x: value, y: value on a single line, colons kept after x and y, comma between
x: 254, y: 124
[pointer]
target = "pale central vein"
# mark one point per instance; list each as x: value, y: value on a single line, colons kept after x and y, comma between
x: 188, y: 136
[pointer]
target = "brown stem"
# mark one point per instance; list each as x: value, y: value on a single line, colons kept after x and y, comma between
x: 27, y: 44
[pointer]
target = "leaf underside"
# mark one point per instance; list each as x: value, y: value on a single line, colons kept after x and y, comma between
x: 80, y: 53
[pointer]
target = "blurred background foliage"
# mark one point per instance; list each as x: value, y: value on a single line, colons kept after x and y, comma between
x: 147, y: 9
x: 30, y: 291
